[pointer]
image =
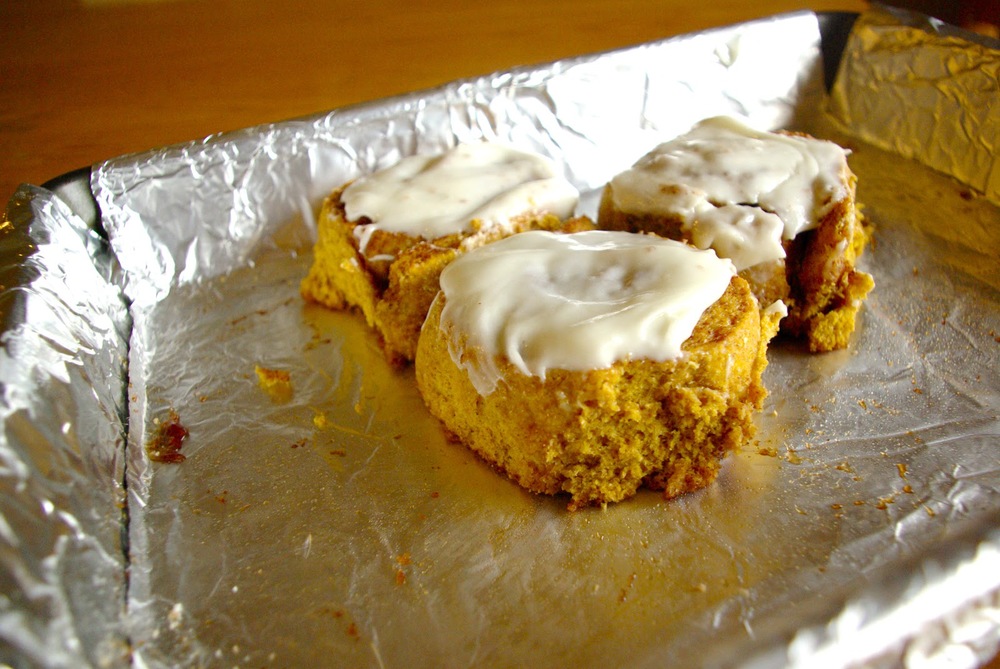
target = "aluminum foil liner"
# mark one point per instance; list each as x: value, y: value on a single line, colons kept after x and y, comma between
x: 62, y: 498
x: 331, y: 524
x: 944, y: 79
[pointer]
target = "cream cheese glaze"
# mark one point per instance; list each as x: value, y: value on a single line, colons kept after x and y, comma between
x: 735, y: 189
x: 433, y: 196
x: 575, y: 301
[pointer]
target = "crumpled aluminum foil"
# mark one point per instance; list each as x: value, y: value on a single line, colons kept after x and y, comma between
x: 62, y: 369
x: 945, y: 80
x: 333, y: 525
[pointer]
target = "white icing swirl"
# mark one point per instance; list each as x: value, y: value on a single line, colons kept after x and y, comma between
x: 737, y: 190
x: 576, y: 301
x: 438, y: 195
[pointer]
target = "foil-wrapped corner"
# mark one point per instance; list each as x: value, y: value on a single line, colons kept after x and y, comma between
x: 912, y: 86
x: 62, y: 497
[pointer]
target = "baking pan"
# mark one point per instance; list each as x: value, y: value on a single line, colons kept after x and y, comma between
x: 335, y: 526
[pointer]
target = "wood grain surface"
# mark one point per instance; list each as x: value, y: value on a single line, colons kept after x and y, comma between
x: 83, y: 81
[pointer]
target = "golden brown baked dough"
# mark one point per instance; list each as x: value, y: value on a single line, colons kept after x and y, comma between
x: 818, y: 279
x: 394, y: 281
x: 599, y: 435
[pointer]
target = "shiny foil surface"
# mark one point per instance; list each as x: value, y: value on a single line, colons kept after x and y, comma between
x: 324, y: 520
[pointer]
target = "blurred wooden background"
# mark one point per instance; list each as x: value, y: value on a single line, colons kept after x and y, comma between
x: 86, y: 80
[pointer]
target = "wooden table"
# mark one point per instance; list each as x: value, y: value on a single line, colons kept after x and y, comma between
x: 88, y: 80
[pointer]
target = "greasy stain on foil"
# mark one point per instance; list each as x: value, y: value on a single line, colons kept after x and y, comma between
x: 165, y: 446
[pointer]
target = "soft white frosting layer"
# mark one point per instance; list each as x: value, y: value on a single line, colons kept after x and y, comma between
x: 737, y: 190
x: 576, y: 301
x: 437, y: 195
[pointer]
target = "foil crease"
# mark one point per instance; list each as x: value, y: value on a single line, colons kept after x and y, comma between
x: 61, y: 449
x: 334, y: 525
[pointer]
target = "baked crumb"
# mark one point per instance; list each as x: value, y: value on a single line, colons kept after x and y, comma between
x: 276, y: 383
